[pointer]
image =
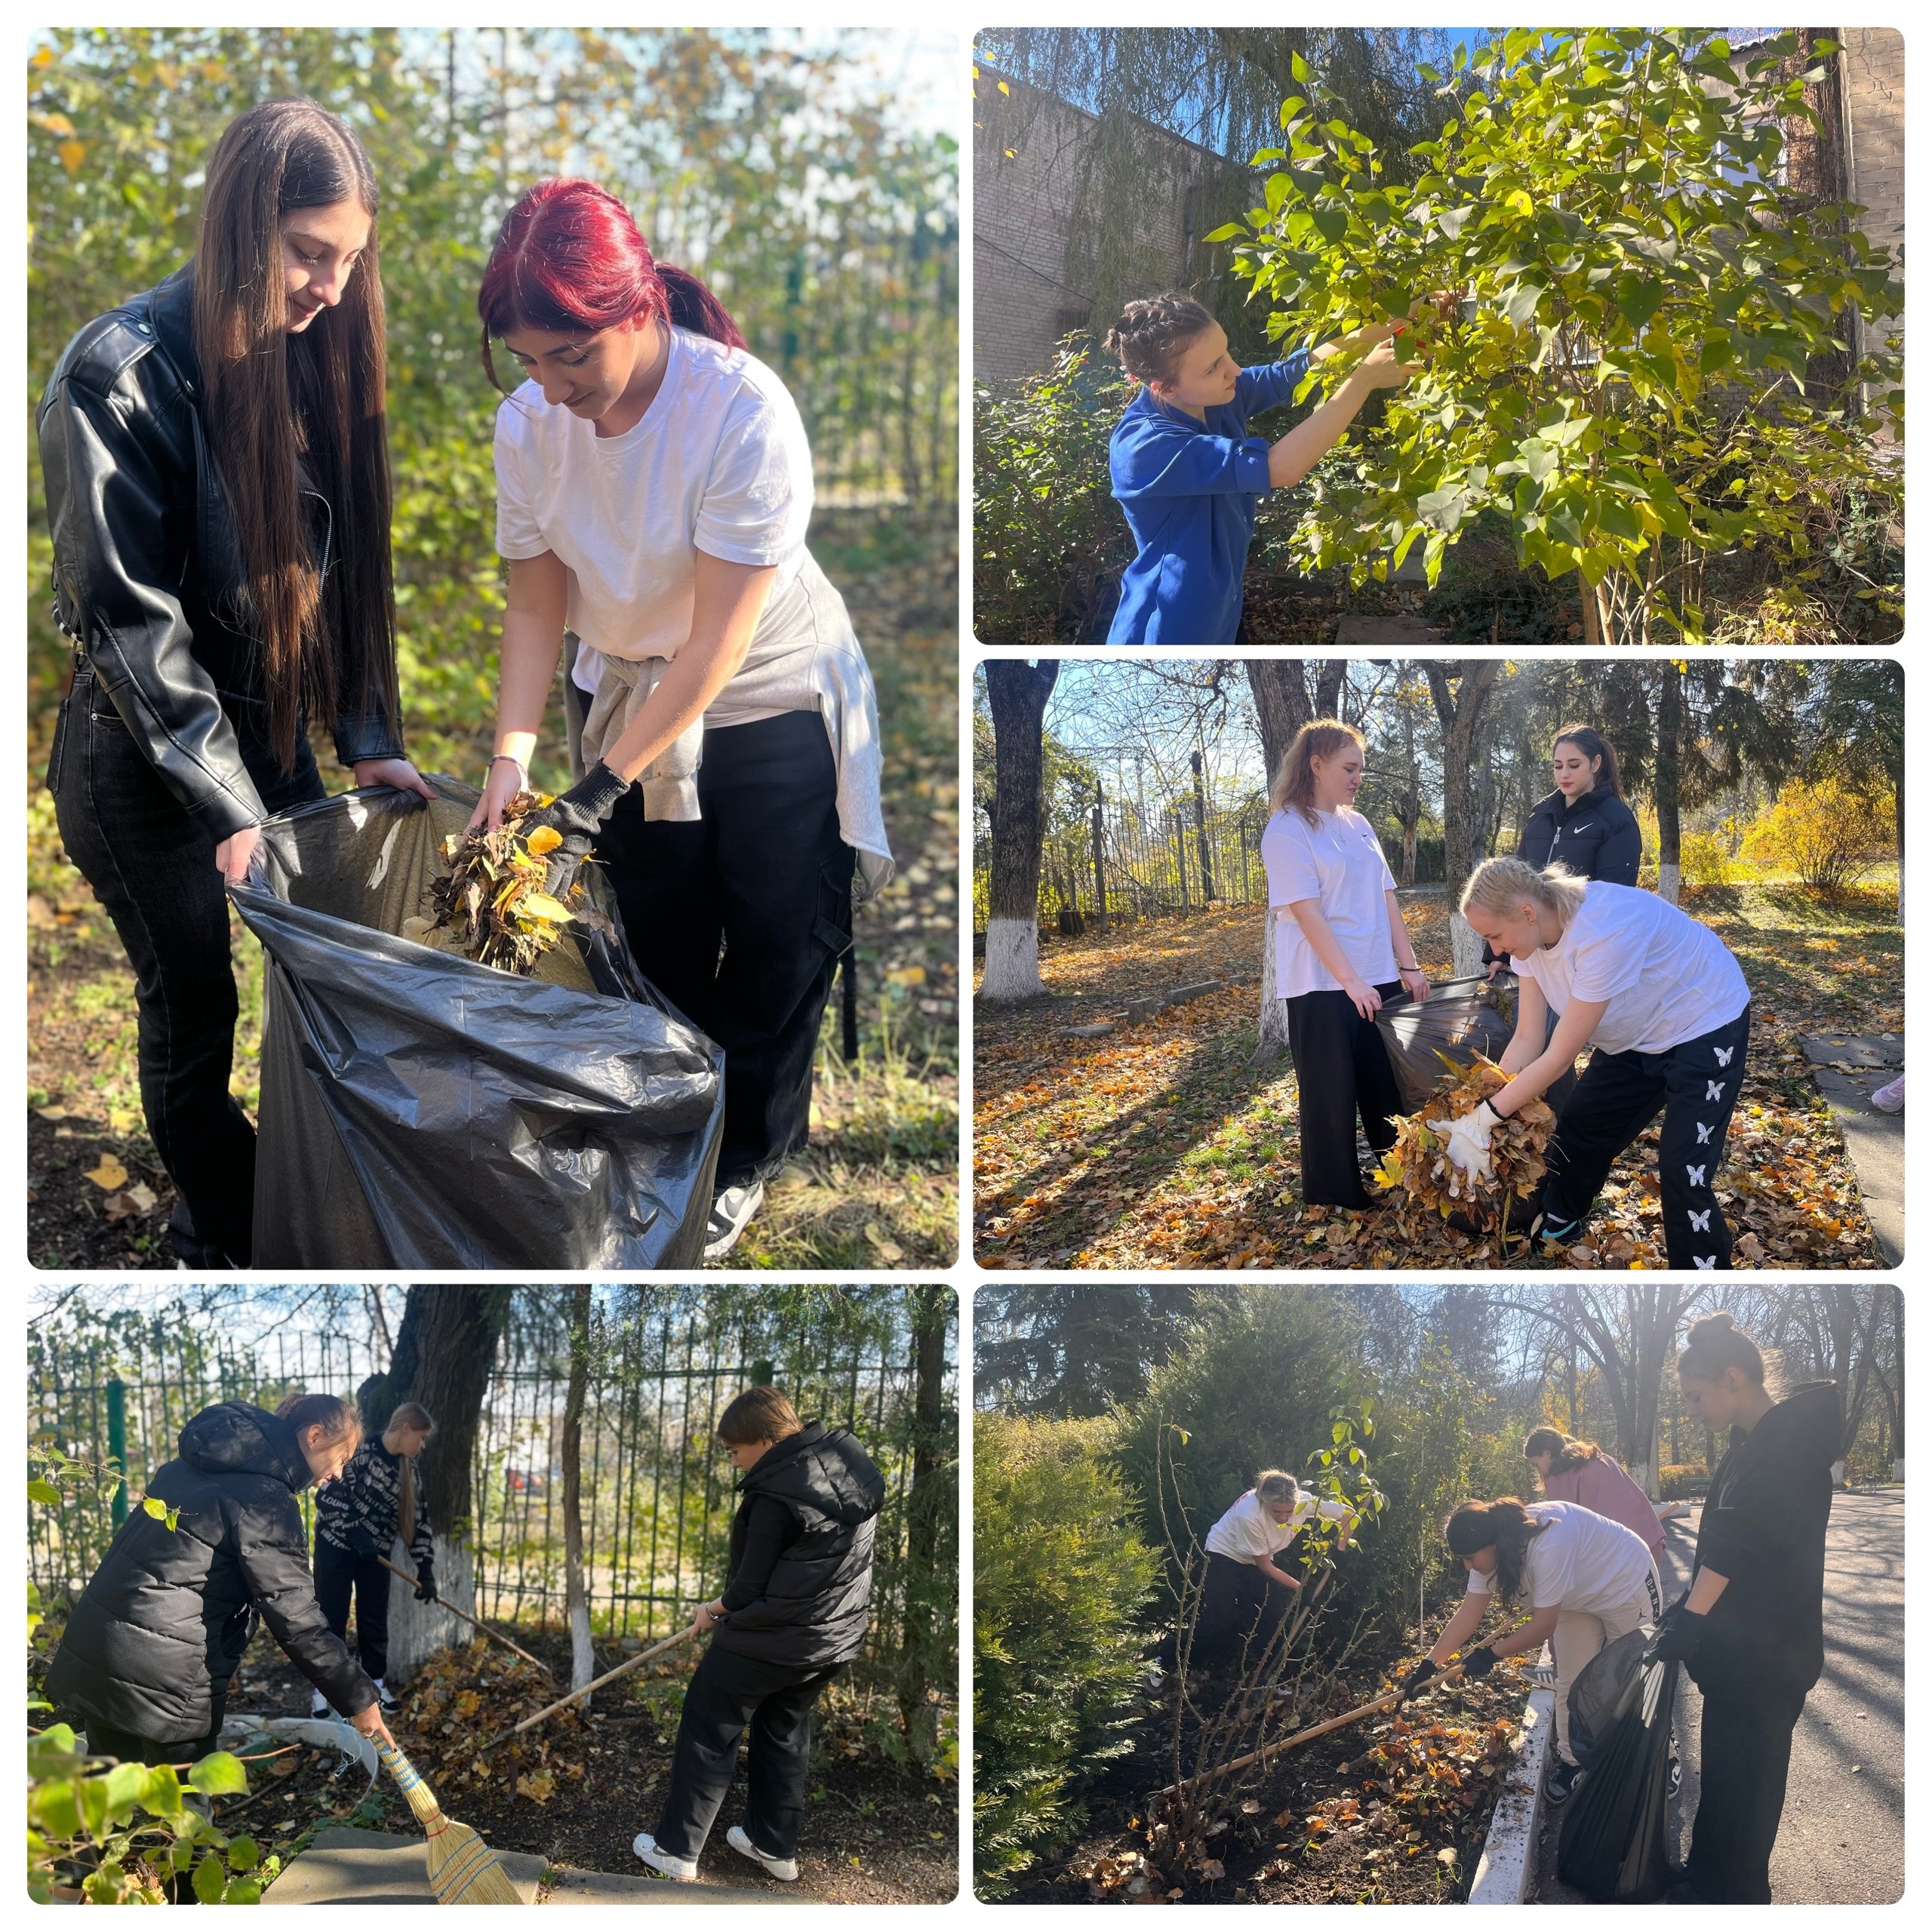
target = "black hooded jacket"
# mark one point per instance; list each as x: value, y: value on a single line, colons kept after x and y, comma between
x: 1763, y: 1529
x: 812, y: 1612
x: 148, y: 576
x: 1596, y: 837
x: 158, y: 1631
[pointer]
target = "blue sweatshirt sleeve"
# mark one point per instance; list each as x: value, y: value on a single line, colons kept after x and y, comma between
x: 1159, y: 459
x: 1270, y: 386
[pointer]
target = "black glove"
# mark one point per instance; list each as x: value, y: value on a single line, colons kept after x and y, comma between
x: 1679, y: 1632
x: 1417, y: 1678
x: 1478, y: 1662
x: 362, y: 1543
x: 425, y: 1583
x: 577, y: 815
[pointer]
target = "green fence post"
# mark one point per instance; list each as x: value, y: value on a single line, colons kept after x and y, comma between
x: 117, y: 1444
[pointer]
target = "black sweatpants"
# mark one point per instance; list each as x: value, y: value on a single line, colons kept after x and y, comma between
x: 1240, y: 1611
x: 1744, y: 1761
x: 337, y: 1573
x: 1342, y: 1068
x: 727, y: 1696
x: 764, y: 878
x: 1696, y: 1084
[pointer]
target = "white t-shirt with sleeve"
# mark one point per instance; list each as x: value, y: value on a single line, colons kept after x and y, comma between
x: 1337, y: 860
x: 1247, y: 1533
x: 1668, y: 978
x: 1582, y: 1562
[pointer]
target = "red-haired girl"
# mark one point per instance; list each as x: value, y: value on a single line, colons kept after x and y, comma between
x: 654, y: 486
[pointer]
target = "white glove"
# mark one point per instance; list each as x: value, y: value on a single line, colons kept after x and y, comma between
x: 1467, y: 1140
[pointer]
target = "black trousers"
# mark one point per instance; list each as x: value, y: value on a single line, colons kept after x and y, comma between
x: 764, y: 880
x: 338, y: 1572
x: 1696, y: 1084
x: 151, y: 864
x: 1744, y: 1759
x: 1240, y: 1611
x: 727, y: 1696
x: 1342, y: 1069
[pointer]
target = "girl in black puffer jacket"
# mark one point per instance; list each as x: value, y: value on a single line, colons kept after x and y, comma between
x: 147, y: 1656
x: 792, y: 1617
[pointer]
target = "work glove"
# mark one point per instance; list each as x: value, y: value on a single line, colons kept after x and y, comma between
x: 1417, y: 1678
x: 362, y: 1542
x: 1468, y: 1140
x: 1679, y: 1634
x: 1478, y: 1662
x: 425, y: 1583
x: 577, y: 815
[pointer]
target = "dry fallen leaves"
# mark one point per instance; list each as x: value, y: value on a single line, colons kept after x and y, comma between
x: 1418, y: 1169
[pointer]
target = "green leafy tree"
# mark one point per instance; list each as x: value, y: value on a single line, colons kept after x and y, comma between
x: 1625, y: 382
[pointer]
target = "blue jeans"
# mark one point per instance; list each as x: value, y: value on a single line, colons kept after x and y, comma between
x: 152, y: 866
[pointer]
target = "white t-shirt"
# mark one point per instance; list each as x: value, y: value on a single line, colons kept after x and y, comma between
x: 1337, y: 860
x: 1667, y: 978
x: 1582, y: 1562
x: 1248, y: 1533
x: 718, y: 462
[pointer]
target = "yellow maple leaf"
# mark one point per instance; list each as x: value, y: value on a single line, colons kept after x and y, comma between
x: 109, y: 1175
x: 545, y: 838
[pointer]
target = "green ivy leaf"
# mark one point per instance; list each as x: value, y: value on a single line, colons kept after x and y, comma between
x: 220, y: 1773
x: 209, y: 1880
x: 243, y: 1854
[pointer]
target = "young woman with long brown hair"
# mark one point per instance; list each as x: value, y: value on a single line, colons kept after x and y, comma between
x: 1573, y: 1471
x: 217, y: 485
x: 1341, y: 950
x: 653, y: 487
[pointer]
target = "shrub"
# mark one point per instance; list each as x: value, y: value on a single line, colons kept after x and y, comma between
x: 1706, y: 860
x: 1678, y: 1480
x: 1060, y: 1576
x: 1828, y: 834
x: 1049, y: 541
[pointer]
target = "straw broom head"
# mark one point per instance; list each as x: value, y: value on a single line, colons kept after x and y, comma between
x: 462, y: 1869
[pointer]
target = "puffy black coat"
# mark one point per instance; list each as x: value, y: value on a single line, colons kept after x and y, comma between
x: 162, y: 1625
x: 1596, y: 836
x: 148, y: 575
x: 1763, y: 1528
x: 813, y: 1613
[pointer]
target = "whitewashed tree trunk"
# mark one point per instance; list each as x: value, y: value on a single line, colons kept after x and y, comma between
x: 1838, y: 1474
x: 1670, y: 883
x: 1898, y: 1469
x: 1465, y: 947
x: 1271, y: 1025
x: 1013, y: 961
x: 418, y: 1630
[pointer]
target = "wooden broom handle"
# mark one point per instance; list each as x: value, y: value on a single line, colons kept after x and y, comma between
x: 407, y: 1578
x: 596, y: 1683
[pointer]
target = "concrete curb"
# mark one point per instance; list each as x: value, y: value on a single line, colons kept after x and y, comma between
x: 1510, y: 1852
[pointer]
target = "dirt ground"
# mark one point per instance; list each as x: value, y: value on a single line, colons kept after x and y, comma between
x: 1159, y: 1146
x: 878, y: 1186
x: 875, y: 1832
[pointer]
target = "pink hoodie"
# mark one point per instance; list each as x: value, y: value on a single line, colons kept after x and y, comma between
x: 1602, y: 1484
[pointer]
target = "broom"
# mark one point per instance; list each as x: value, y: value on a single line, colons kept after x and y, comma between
x: 595, y: 1684
x: 397, y: 1569
x: 462, y: 1869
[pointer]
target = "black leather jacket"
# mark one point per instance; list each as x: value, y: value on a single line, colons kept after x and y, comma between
x: 147, y: 571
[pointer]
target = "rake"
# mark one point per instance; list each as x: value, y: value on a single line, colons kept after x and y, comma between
x: 595, y: 1684
x: 462, y: 1869
x: 476, y: 1623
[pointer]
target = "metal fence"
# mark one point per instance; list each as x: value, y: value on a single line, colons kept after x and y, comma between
x: 656, y: 1497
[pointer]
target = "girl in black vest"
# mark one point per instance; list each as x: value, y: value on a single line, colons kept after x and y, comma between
x: 790, y: 1617
x: 1751, y: 1631
x: 218, y: 491
x: 147, y: 1656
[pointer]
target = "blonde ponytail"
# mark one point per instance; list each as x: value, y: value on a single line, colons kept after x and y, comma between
x: 1501, y: 886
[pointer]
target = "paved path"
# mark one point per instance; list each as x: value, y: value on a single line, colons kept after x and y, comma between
x: 1846, y: 1067
x: 1842, y: 1840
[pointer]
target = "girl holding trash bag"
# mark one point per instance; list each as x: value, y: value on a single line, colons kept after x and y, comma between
x: 218, y: 490
x: 1750, y: 1630
x: 791, y: 1616
x: 1586, y: 1580
x: 357, y: 1519
x: 1341, y: 950
x: 150, y: 1648
x: 1245, y: 1595
x: 653, y: 484
x: 1664, y: 1006
x: 1574, y: 1472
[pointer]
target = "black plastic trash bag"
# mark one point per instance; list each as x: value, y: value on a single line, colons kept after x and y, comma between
x: 1460, y: 1019
x: 420, y: 1111
x: 1615, y: 1843
x: 1597, y: 1697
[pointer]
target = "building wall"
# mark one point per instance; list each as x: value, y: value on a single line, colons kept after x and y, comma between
x: 1874, y: 60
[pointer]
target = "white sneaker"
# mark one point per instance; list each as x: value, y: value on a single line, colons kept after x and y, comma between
x: 319, y: 1706
x: 784, y: 1868
x: 1889, y: 1099
x: 731, y: 1214
x: 684, y: 1870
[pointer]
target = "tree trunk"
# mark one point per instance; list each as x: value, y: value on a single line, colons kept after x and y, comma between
x: 1016, y: 693
x: 576, y: 1602
x: 1099, y: 860
x: 445, y: 1350
x: 1201, y: 831
x: 928, y: 1639
x: 1669, y: 771
x: 1271, y: 1028
x: 1460, y: 711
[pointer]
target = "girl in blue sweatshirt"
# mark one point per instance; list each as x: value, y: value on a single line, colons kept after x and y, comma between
x: 1188, y: 475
